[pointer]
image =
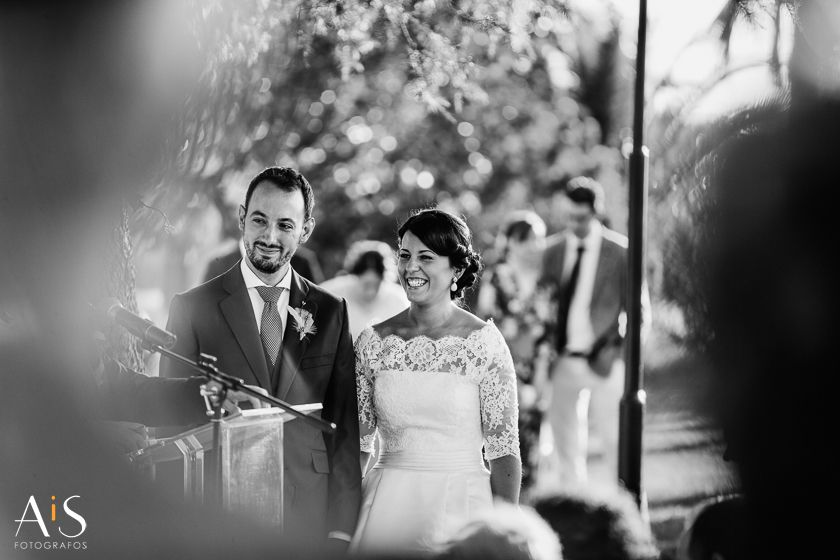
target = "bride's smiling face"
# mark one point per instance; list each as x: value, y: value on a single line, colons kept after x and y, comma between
x: 425, y: 276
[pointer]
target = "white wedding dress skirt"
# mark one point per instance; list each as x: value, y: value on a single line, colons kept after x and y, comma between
x: 411, y: 502
x: 434, y: 404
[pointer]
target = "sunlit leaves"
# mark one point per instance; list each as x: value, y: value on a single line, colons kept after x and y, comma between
x: 387, y: 105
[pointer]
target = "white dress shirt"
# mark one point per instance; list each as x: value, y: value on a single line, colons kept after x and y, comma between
x: 580, y: 335
x: 252, y: 281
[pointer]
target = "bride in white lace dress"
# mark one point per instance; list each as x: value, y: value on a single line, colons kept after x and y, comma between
x: 438, y: 385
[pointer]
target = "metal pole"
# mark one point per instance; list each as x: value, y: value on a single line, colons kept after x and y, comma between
x: 633, y: 401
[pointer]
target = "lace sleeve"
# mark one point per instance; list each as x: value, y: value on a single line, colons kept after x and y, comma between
x: 499, y: 404
x: 364, y: 392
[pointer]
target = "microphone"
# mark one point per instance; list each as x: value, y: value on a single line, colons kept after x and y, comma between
x: 136, y: 325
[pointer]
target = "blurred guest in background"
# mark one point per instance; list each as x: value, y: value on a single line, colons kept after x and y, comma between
x: 602, y: 523
x: 504, y: 532
x: 510, y: 296
x: 368, y: 284
x: 586, y: 270
x: 715, y: 531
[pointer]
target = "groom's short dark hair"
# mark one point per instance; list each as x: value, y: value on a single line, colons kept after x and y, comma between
x: 285, y: 179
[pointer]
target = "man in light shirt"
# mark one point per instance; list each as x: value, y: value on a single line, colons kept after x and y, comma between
x: 273, y: 328
x: 587, y: 267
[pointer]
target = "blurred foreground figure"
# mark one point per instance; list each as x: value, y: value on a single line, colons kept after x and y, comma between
x: 129, y: 402
x: 773, y: 301
x: 586, y: 268
x: 89, y: 90
x: 602, y: 523
x: 369, y: 285
x: 504, y: 532
x: 715, y: 532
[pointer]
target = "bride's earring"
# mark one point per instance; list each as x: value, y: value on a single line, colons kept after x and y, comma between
x: 454, y: 286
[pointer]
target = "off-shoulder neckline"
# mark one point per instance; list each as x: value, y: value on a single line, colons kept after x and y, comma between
x: 490, y: 325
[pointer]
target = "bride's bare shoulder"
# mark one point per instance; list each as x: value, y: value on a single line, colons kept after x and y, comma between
x: 470, y: 320
x: 467, y: 323
x: 398, y: 325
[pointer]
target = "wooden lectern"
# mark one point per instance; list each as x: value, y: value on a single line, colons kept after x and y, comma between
x: 252, y: 460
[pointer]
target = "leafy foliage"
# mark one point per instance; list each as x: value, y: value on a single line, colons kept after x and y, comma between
x: 389, y: 106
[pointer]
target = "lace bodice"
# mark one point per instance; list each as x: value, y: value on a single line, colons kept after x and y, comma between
x: 426, y: 395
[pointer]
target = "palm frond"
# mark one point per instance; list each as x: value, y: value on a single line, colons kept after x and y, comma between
x: 709, y: 138
x: 725, y: 22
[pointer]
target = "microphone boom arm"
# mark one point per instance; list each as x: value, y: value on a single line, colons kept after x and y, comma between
x: 211, y: 372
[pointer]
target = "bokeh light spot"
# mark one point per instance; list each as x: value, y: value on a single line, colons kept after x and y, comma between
x: 341, y: 174
x: 425, y: 180
x: 471, y: 177
x: 261, y: 131
x: 387, y: 207
x: 509, y: 112
x: 522, y: 65
x: 316, y: 109
x: 408, y: 176
x: 315, y: 125
x: 472, y: 144
x: 465, y: 129
x: 388, y: 143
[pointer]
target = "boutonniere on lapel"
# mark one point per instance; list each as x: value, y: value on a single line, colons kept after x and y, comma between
x: 304, y: 321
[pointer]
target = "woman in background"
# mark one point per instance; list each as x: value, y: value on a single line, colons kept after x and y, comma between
x: 511, y: 297
x: 368, y: 284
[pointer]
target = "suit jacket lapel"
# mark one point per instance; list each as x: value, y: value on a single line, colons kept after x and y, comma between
x: 293, y: 345
x: 603, y: 274
x: 600, y: 274
x: 237, y: 310
x: 563, y: 246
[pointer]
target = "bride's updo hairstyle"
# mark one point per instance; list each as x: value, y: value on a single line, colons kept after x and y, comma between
x: 448, y: 236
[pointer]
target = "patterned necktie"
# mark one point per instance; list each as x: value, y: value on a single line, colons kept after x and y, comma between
x: 568, y: 294
x: 271, y: 325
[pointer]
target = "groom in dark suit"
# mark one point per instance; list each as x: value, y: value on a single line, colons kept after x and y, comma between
x: 272, y: 328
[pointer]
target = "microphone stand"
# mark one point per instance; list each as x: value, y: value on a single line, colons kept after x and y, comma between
x: 207, y: 368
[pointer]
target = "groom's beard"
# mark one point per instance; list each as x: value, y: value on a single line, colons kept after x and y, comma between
x: 267, y: 266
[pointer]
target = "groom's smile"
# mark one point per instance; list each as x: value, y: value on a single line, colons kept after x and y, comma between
x: 267, y: 250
